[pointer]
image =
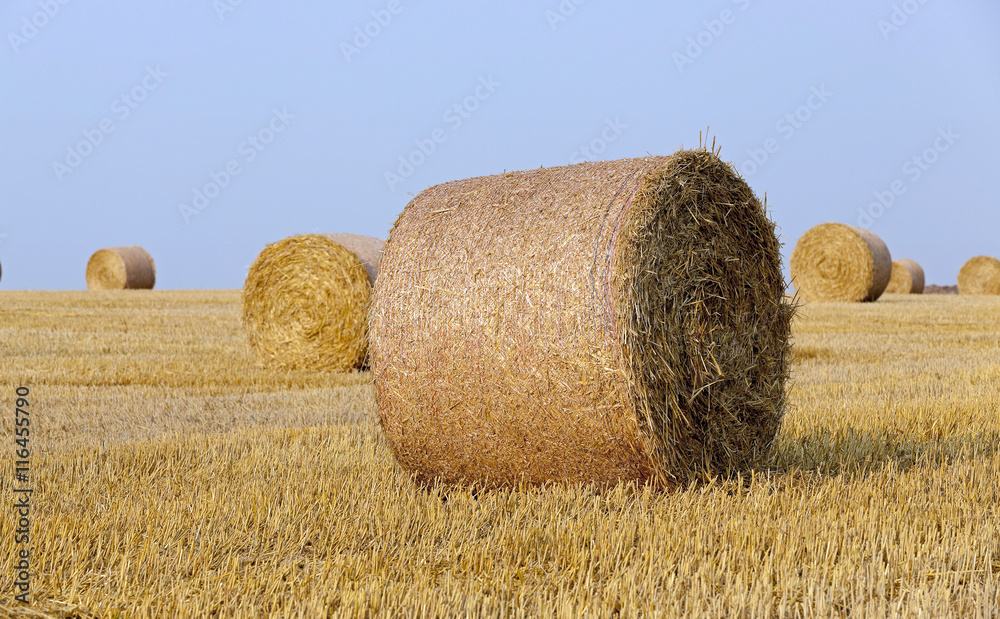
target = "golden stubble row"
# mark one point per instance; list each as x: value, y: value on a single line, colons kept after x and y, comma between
x: 217, y: 524
x: 255, y: 495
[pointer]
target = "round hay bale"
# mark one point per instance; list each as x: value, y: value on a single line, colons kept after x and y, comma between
x: 121, y: 268
x: 980, y: 275
x: 306, y: 299
x: 835, y: 262
x: 621, y: 320
x: 907, y: 278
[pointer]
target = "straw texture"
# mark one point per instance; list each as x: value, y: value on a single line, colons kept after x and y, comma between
x: 980, y: 275
x: 621, y: 320
x: 907, y: 278
x: 838, y: 263
x: 306, y: 299
x: 121, y: 268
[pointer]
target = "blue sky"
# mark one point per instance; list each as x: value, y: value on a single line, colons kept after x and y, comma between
x: 327, y: 117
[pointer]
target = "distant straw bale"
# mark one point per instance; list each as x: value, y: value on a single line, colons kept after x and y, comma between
x: 621, y: 320
x: 121, y: 268
x: 306, y: 299
x: 980, y: 275
x: 907, y: 278
x: 838, y: 263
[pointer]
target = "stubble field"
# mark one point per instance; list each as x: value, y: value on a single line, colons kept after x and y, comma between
x: 174, y: 476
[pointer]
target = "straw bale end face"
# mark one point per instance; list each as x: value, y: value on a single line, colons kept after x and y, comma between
x: 838, y: 263
x: 306, y: 300
x: 121, y: 268
x: 980, y: 276
x: 907, y: 278
x: 599, y: 322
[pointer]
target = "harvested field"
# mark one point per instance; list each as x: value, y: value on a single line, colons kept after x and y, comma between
x: 173, y: 476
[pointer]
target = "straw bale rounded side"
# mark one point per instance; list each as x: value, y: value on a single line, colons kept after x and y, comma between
x: 121, y: 268
x: 980, y: 275
x: 306, y: 300
x: 834, y: 262
x: 907, y: 278
x: 621, y: 320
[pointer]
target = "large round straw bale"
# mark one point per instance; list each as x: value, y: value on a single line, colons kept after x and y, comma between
x: 598, y: 322
x: 121, y: 268
x: 907, y: 278
x: 980, y: 275
x: 306, y: 299
x: 835, y: 262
